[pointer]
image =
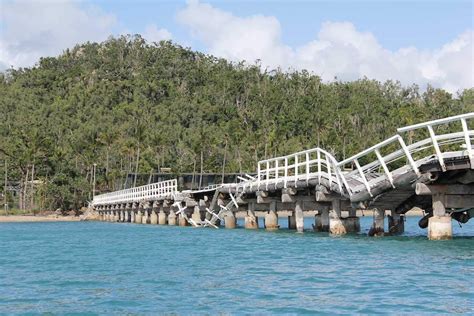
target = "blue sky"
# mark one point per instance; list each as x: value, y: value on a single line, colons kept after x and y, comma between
x: 414, y: 42
x: 424, y: 24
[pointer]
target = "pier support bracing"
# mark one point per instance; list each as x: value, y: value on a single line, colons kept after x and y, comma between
x: 299, y: 217
x: 251, y: 221
x: 138, y: 217
x: 271, y: 218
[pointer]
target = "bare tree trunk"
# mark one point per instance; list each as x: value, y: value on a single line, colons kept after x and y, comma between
x: 32, y: 193
x: 136, y: 167
x: 200, y: 177
x: 107, y: 162
x: 5, y: 188
x: 194, y: 174
x: 24, y: 190
x: 240, y: 160
x: 223, y: 164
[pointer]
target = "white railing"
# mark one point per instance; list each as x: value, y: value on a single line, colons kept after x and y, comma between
x: 377, y: 169
x: 301, y: 166
x: 370, y: 167
x: 151, y: 191
x: 317, y: 163
x: 465, y: 135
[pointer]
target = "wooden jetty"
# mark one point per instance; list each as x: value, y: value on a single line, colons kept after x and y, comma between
x: 435, y: 174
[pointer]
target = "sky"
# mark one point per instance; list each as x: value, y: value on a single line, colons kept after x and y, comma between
x: 415, y: 42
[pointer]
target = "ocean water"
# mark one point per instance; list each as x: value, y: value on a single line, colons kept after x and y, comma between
x: 115, y: 268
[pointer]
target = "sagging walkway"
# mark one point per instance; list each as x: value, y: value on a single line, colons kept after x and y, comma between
x: 435, y: 174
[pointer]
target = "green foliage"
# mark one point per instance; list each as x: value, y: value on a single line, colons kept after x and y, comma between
x: 112, y: 102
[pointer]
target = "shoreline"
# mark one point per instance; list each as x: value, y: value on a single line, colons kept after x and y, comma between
x: 39, y: 218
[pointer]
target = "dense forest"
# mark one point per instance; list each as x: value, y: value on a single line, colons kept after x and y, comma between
x: 127, y: 105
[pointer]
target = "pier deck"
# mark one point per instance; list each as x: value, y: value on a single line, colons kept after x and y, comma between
x: 435, y: 174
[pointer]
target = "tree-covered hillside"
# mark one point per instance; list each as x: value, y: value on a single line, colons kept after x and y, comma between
x: 125, y: 104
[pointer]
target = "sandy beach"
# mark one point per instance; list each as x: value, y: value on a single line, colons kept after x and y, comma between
x: 39, y: 218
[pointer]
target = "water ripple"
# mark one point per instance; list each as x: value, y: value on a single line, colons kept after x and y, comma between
x: 105, y: 268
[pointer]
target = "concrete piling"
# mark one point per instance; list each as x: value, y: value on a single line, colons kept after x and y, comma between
x: 162, y: 218
x: 251, y: 221
x: 138, y: 217
x: 196, y: 217
x: 336, y: 225
x: 396, y: 224
x: 271, y: 221
x: 440, y: 228
x: 182, y: 220
x: 439, y: 225
x: 271, y: 218
x: 153, y: 218
x: 126, y: 217
x: 377, y: 228
x: 145, y: 217
x: 172, y: 218
x: 299, y: 217
x: 322, y: 221
x: 230, y: 221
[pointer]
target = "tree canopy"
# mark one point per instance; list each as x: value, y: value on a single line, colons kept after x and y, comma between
x: 126, y: 104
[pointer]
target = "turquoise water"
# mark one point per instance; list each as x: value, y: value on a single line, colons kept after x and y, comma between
x: 112, y: 268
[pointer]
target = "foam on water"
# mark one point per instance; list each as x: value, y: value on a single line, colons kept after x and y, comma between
x: 104, y: 268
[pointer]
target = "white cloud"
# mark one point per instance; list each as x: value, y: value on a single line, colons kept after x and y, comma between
x: 339, y: 50
x: 32, y: 29
x: 153, y: 34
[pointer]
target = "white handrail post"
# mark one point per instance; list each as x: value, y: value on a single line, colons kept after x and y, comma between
x: 276, y: 171
x: 337, y: 172
x: 362, y: 175
x: 307, y: 168
x: 408, y: 155
x: 467, y: 139
x: 319, y: 166
x: 436, y: 147
x: 385, y: 168
x: 258, y: 176
x: 268, y: 174
x: 296, y: 170
x: 286, y: 171
x: 328, y: 166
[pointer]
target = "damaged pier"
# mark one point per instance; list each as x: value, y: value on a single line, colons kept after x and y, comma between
x: 435, y: 174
